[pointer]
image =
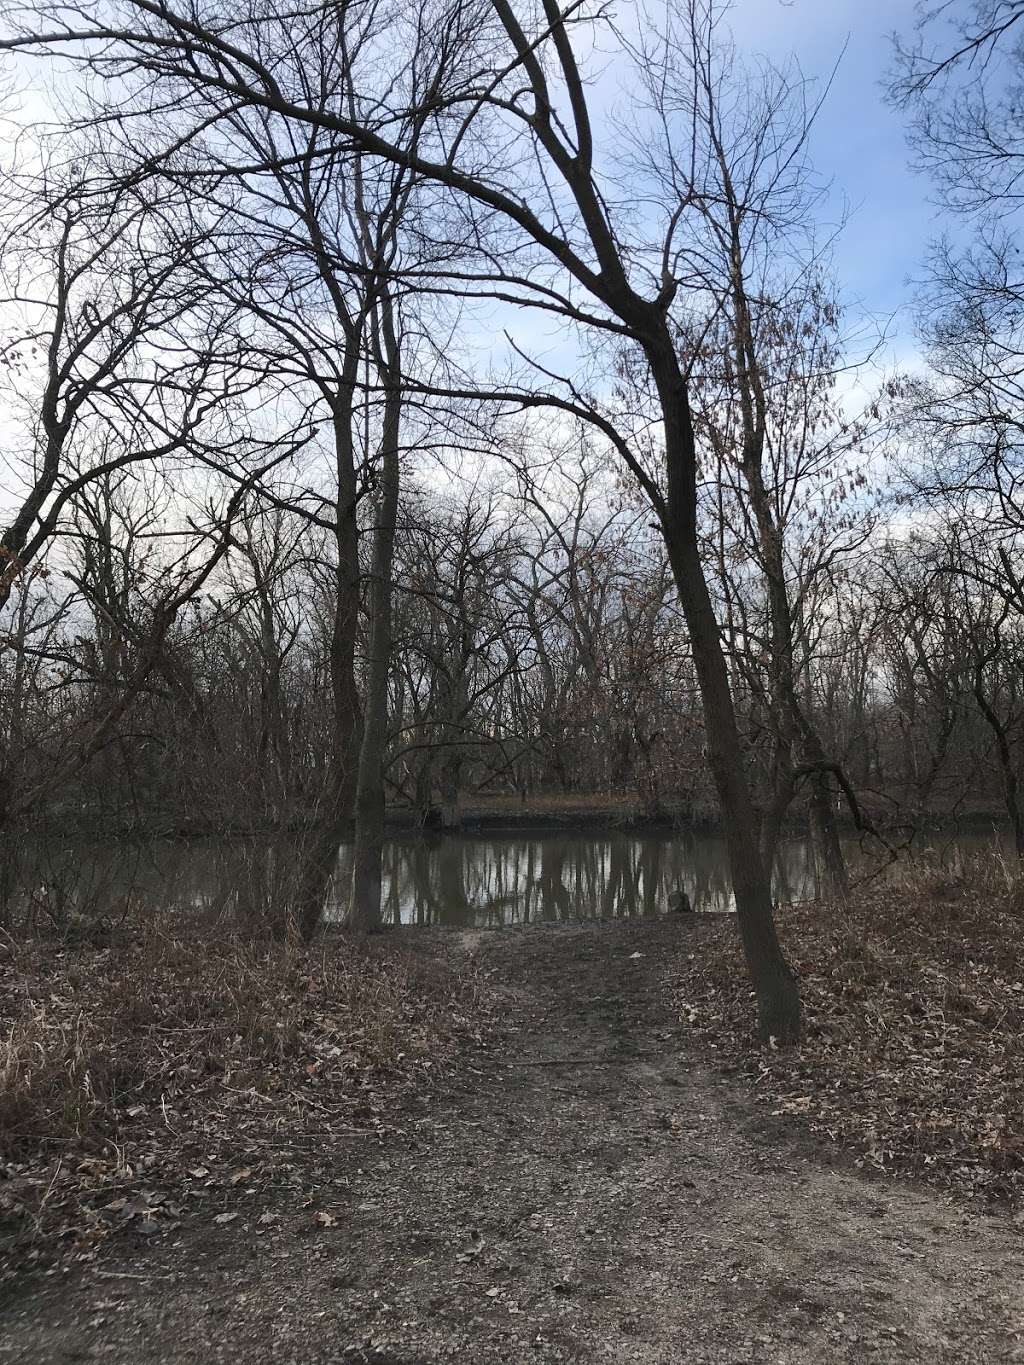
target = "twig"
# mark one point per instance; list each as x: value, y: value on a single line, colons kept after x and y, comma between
x: 127, y: 1275
x: 585, y: 1061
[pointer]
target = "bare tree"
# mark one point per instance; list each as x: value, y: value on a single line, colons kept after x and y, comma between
x: 959, y: 77
x: 98, y: 368
x: 491, y: 133
x: 113, y: 362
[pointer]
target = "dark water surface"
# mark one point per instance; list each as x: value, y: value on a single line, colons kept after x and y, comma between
x: 513, y: 878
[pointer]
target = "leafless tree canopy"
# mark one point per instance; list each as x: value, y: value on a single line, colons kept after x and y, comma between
x: 401, y: 416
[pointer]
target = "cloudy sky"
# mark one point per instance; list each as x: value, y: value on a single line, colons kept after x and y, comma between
x: 859, y: 144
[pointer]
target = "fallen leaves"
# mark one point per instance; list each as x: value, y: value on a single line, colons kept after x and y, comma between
x: 913, y: 1051
x: 476, y: 1245
x: 191, y: 1063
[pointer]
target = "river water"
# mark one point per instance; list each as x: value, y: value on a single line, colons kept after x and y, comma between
x: 466, y: 880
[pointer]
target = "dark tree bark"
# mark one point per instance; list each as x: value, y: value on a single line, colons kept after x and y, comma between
x: 339, y: 800
x: 1007, y: 768
x: 365, y: 901
x: 831, y: 876
x: 778, y: 999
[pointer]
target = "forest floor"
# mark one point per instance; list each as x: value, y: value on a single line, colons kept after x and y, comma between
x: 588, y: 1183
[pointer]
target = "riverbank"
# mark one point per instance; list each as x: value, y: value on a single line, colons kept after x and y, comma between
x: 586, y: 1174
x: 912, y: 1060
x: 545, y: 813
x: 154, y: 1055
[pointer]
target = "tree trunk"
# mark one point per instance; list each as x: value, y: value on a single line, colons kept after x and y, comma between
x: 364, y: 904
x: 830, y: 873
x: 778, y: 997
x: 453, y: 735
x: 1007, y: 772
x: 336, y: 818
x: 783, y: 788
x: 424, y: 790
x: 792, y: 726
x: 449, y: 787
x: 778, y: 1000
x: 8, y: 861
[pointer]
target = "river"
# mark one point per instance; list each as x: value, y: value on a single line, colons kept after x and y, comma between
x: 478, y: 880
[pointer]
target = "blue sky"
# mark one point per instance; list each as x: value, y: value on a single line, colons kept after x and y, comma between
x: 859, y: 145
x: 859, y: 142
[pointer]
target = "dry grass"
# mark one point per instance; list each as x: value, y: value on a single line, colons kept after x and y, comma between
x: 913, y: 1056
x: 117, y: 1060
x: 89, y: 1033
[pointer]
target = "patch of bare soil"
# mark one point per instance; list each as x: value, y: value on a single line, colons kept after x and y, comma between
x: 594, y: 1189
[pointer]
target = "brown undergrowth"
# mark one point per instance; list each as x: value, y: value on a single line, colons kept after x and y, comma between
x: 167, y: 1060
x: 913, y: 1051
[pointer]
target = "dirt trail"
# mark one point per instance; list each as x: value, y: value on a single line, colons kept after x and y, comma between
x: 591, y: 1191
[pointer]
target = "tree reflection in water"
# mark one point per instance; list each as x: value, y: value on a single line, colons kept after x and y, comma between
x: 451, y: 880
x: 518, y: 880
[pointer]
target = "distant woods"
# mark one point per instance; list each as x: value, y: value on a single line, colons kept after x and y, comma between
x: 394, y: 422
x: 527, y: 662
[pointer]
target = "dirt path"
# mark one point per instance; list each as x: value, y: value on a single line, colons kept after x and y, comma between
x: 592, y: 1191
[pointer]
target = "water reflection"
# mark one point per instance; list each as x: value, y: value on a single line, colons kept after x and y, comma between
x: 468, y: 881
x: 521, y: 880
